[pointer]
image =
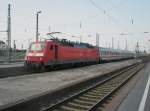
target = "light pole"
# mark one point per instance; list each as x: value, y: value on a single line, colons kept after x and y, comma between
x: 80, y: 32
x: 37, y: 24
x: 97, y: 39
x: 126, y: 42
x: 146, y: 32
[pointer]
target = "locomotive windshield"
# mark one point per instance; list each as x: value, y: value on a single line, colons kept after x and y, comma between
x: 36, y: 46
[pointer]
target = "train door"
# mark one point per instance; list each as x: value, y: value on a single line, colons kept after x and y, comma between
x: 56, y: 52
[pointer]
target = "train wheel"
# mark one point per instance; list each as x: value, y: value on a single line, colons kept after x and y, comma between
x: 27, y: 66
x: 42, y: 68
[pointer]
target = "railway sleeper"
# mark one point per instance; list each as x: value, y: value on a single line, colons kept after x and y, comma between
x: 94, y: 93
x: 100, y: 92
x: 78, y: 106
x: 55, y: 110
x: 100, y: 109
x: 115, y: 83
x: 109, y: 85
x: 103, y: 90
x: 87, y: 99
x: 91, y: 96
x: 108, y: 88
x: 83, y: 102
x: 112, y: 83
x: 66, y: 108
x: 106, y: 85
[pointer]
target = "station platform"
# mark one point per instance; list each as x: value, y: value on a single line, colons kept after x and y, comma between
x: 11, y: 64
x: 138, y: 98
x: 22, y: 87
x: 5, y: 60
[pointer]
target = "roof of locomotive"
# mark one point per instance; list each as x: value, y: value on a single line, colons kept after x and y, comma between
x: 54, y: 37
x: 66, y: 42
x: 72, y: 43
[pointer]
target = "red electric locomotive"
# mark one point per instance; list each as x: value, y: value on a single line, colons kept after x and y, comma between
x: 54, y: 52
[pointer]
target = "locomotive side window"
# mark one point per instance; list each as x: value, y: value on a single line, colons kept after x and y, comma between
x: 51, y: 47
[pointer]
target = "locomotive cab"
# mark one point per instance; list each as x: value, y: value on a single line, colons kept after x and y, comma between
x: 35, y: 51
x: 35, y: 54
x: 40, y: 54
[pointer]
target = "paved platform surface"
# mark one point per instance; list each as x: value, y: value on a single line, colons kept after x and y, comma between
x: 21, y: 87
x: 11, y: 64
x: 139, y: 97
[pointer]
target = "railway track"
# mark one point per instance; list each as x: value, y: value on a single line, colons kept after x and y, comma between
x: 92, y: 98
x: 87, y: 95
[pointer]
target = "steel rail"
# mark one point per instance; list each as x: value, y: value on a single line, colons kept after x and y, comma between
x: 45, y: 100
x: 68, y: 104
x: 94, y: 107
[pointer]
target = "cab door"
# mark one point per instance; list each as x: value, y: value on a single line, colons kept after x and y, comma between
x: 56, y: 52
x: 53, y: 52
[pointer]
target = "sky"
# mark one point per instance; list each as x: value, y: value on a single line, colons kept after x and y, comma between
x: 85, y: 18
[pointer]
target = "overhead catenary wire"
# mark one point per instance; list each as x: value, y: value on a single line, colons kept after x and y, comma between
x: 114, y: 20
x: 114, y: 5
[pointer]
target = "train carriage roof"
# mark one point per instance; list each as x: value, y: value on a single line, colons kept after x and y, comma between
x: 114, y: 50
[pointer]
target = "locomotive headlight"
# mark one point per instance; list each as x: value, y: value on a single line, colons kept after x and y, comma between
x: 41, y: 58
x: 30, y: 54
